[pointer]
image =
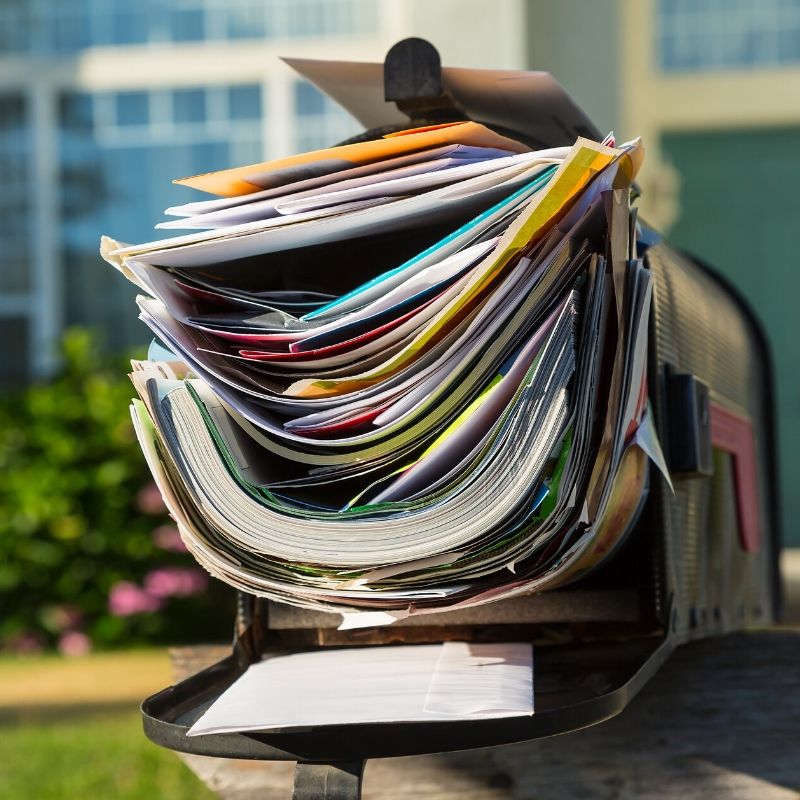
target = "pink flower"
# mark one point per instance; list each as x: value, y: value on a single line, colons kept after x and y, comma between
x: 149, y: 500
x: 167, y: 538
x: 126, y: 599
x: 175, y: 582
x: 74, y: 643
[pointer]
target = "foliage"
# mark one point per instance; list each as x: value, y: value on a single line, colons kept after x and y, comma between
x: 81, y: 522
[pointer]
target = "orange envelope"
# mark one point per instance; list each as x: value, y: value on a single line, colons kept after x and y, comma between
x: 253, y: 178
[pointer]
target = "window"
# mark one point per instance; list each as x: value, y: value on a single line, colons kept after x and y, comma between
x: 127, y: 25
x: 16, y: 234
x: 15, y: 202
x: 248, y: 19
x: 114, y: 152
x: 16, y: 28
x: 244, y: 102
x: 76, y: 112
x: 189, y: 105
x: 325, y: 17
x: 725, y: 34
x: 309, y: 100
x: 118, y: 166
x: 187, y: 25
x: 119, y: 152
x: 320, y: 121
x: 133, y: 108
x: 68, y: 26
x: 14, y: 363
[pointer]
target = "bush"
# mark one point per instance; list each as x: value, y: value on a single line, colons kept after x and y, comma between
x: 87, y: 553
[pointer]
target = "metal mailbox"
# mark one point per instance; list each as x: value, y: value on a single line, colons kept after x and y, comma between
x: 701, y: 560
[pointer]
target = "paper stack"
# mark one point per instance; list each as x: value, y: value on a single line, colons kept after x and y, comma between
x: 401, y: 375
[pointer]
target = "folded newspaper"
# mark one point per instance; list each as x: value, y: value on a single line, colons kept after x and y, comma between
x: 402, y: 375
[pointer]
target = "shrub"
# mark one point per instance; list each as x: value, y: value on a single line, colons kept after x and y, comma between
x: 81, y: 522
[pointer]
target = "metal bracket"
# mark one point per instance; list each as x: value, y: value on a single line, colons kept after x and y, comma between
x: 412, y: 78
x: 688, y: 424
x: 337, y: 781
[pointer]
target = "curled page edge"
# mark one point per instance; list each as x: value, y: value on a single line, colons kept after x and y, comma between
x: 393, y: 570
x: 371, y: 619
x: 646, y: 437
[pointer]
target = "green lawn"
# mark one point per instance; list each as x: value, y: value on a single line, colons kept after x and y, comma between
x: 70, y: 728
x: 99, y: 754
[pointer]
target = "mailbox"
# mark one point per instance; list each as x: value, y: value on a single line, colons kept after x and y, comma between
x: 701, y: 560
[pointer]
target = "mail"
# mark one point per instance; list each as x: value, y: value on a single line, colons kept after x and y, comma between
x: 403, y: 375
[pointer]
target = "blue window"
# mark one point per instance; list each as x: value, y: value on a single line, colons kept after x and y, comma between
x: 322, y: 122
x: 244, y: 102
x: 789, y: 44
x: 187, y: 24
x: 247, y: 19
x: 128, y: 25
x: 309, y: 101
x: 119, y: 180
x: 15, y: 201
x: 189, y: 105
x: 308, y: 18
x: 209, y: 156
x: 12, y: 113
x: 75, y: 111
x: 16, y: 29
x: 133, y: 108
x: 727, y: 34
x: 68, y: 26
x: 14, y: 363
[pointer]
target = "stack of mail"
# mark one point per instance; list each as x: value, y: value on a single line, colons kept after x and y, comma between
x: 401, y: 375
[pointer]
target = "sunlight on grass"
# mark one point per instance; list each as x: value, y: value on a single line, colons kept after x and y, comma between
x: 103, y: 754
x: 70, y: 728
x: 98, y: 678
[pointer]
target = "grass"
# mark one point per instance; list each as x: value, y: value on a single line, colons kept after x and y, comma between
x: 71, y: 729
x: 100, y: 754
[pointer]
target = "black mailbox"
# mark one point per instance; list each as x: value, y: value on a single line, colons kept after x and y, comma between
x: 701, y: 560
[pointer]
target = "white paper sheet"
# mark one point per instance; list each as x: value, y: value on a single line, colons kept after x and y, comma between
x: 533, y: 103
x: 285, y: 233
x: 411, y: 683
x: 397, y: 181
x: 441, y: 250
x: 220, y: 203
x: 404, y: 184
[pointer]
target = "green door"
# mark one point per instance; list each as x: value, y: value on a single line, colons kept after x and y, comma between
x: 740, y: 211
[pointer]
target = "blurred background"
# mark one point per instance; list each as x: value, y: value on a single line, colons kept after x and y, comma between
x: 103, y: 102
